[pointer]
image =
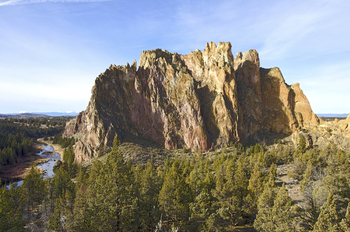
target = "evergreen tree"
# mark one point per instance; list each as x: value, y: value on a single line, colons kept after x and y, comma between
x: 240, y: 190
x: 149, y: 185
x: 275, y: 211
x: 108, y: 201
x: 345, y: 223
x: 311, y: 209
x: 10, y: 213
x: 302, y: 144
x: 264, y: 218
x: 116, y: 143
x: 283, y: 214
x: 328, y: 220
x: 33, y: 188
x: 255, y: 188
x: 175, y: 195
x: 224, y: 194
x: 55, y: 221
x: 201, y: 209
x: 61, y: 183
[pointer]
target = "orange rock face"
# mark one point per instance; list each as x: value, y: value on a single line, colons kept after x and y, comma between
x: 199, y: 101
x: 347, y: 123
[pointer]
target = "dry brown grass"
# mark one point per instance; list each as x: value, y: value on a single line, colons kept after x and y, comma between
x: 56, y: 147
x: 20, y: 170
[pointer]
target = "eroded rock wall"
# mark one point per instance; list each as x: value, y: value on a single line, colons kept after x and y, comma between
x: 199, y: 101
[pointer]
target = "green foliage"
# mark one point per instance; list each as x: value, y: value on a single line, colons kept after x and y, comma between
x: 329, y: 219
x: 17, y: 135
x: 108, y: 202
x: 10, y: 213
x: 201, y: 193
x: 275, y: 212
x: 116, y: 143
x: 68, y: 164
x: 345, y: 223
x: 149, y: 184
x: 63, y: 141
x: 255, y: 188
x: 302, y: 144
x: 175, y: 195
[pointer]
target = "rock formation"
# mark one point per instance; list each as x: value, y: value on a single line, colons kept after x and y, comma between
x: 199, y: 101
x: 57, y: 164
x: 347, y: 123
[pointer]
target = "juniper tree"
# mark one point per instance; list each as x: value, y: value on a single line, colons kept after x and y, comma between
x: 302, y: 144
x: 10, y: 212
x: 33, y: 188
x: 149, y: 188
x: 345, y: 223
x: 255, y: 188
x: 328, y: 220
x: 175, y: 195
x: 275, y: 210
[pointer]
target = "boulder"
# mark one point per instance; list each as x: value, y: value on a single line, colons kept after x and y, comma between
x: 57, y: 164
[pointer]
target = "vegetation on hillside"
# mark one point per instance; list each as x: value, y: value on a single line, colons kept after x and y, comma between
x: 17, y: 135
x: 217, y: 192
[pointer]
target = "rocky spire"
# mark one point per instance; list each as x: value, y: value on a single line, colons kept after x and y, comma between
x: 198, y: 101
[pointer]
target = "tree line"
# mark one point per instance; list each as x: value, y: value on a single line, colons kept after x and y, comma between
x: 17, y: 136
x: 233, y: 187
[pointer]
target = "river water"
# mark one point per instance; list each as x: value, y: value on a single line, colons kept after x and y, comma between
x: 47, y: 166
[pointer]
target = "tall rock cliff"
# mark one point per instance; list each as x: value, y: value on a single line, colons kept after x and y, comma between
x: 199, y: 101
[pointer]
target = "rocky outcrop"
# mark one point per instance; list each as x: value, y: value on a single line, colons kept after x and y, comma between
x: 199, y: 101
x: 347, y: 123
x: 57, y: 164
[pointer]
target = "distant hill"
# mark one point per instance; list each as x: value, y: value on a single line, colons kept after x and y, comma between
x: 332, y: 115
x: 59, y: 114
x: 39, y: 115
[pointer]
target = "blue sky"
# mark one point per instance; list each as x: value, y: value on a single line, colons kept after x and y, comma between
x: 51, y: 51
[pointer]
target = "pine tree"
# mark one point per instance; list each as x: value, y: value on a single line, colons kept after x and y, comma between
x: 224, y: 192
x: 282, y: 212
x: 345, y: 223
x: 240, y: 190
x: 175, y: 195
x: 302, y: 144
x: 201, y: 209
x: 328, y: 220
x: 10, y: 214
x: 116, y: 143
x: 149, y: 185
x: 108, y: 201
x: 255, y: 188
x: 275, y: 211
x: 33, y: 188
x: 55, y: 220
x: 264, y: 218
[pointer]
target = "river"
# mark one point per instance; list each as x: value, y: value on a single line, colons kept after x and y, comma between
x: 47, y: 166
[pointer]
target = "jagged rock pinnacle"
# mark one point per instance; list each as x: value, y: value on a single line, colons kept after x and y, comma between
x: 199, y: 101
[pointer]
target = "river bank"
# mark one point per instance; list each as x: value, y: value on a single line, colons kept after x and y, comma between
x: 19, y: 170
x: 56, y: 147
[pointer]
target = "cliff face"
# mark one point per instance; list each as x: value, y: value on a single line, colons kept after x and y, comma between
x: 199, y: 101
x: 347, y: 123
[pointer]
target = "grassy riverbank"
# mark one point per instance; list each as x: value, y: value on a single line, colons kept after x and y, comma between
x: 56, y: 147
x: 19, y: 170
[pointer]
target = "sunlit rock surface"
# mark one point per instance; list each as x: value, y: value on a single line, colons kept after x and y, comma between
x: 198, y: 101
